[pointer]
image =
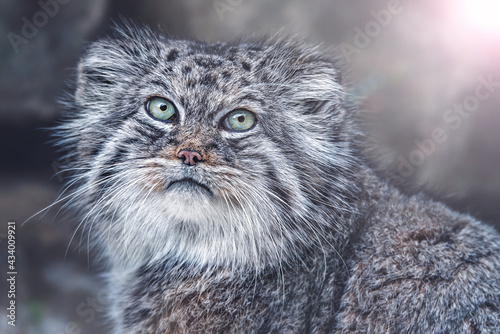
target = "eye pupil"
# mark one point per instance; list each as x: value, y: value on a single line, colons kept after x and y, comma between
x: 239, y: 120
x: 161, y: 109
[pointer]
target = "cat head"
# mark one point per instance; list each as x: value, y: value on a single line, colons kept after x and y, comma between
x: 210, y: 153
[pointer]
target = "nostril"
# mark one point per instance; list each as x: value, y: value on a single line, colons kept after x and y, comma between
x: 189, y: 157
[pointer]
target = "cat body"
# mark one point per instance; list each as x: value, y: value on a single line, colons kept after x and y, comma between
x: 225, y: 185
x: 411, y: 266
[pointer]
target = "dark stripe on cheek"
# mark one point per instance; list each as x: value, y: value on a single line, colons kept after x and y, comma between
x: 117, y: 118
x: 132, y: 140
x: 120, y: 155
x: 104, y: 176
x: 275, y: 186
x: 149, y: 131
x: 248, y: 141
x: 110, y: 168
x: 110, y: 126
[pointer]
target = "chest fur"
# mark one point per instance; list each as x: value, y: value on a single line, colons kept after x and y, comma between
x: 293, y: 301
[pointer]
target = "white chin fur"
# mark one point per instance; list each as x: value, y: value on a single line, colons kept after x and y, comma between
x: 192, y: 226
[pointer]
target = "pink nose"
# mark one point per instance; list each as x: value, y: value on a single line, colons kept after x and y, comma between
x: 189, y: 157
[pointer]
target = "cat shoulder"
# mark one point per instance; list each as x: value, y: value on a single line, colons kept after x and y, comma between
x: 421, y: 267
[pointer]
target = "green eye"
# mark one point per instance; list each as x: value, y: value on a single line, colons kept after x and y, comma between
x: 161, y: 109
x: 239, y: 120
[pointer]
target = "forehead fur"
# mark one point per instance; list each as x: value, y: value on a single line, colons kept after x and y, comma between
x: 199, y: 73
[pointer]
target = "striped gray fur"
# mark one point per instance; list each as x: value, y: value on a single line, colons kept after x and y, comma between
x: 284, y: 228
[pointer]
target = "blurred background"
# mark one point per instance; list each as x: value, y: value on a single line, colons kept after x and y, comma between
x: 426, y: 73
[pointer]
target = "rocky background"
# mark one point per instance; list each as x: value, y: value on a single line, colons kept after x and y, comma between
x: 411, y: 63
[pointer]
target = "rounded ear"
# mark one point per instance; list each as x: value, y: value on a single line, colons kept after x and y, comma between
x: 320, y: 85
x: 320, y: 90
x: 108, y: 62
x: 314, y: 77
x: 99, y: 71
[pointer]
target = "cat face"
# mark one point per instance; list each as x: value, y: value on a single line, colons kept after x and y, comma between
x: 212, y: 153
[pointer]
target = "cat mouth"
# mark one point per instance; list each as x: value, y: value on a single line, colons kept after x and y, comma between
x: 189, y: 184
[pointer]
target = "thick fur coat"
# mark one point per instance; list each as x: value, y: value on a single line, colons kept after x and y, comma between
x: 281, y: 228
